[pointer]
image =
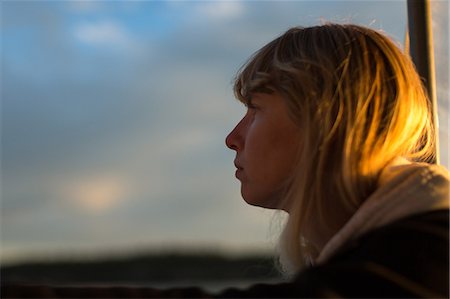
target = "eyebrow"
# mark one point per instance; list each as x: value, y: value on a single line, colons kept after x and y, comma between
x: 262, y: 89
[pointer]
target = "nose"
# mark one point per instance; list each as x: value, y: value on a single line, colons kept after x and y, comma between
x: 230, y: 141
x: 234, y: 140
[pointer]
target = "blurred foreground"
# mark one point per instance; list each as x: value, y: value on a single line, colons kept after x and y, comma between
x: 210, y: 271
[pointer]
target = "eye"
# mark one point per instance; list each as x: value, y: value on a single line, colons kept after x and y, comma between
x: 251, y: 106
x: 252, y: 111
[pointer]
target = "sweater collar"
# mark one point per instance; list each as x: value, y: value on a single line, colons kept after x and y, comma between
x: 404, y: 189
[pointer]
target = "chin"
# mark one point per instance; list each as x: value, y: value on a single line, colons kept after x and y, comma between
x: 262, y: 202
x: 261, y: 205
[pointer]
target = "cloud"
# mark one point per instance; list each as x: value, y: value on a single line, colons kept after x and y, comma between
x: 221, y: 10
x: 108, y: 33
x: 85, y: 6
x: 95, y: 194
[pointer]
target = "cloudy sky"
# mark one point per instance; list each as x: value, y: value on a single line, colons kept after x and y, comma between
x: 114, y: 116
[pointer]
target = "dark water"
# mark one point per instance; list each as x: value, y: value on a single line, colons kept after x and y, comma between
x: 214, y: 286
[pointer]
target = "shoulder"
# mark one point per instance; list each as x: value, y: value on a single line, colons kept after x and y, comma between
x: 406, y: 258
x: 420, y: 233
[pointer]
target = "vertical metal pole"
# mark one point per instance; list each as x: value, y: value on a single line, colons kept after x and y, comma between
x: 421, y: 51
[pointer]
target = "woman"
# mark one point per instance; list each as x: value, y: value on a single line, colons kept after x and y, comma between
x: 337, y: 133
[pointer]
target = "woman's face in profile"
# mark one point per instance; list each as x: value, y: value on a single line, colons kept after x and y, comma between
x: 266, y: 142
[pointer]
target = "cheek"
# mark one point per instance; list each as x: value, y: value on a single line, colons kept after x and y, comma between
x: 268, y: 178
x: 272, y: 152
x: 282, y: 158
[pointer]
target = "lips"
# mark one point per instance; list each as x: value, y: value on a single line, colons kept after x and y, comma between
x: 237, y: 165
x: 239, y: 173
x: 239, y: 170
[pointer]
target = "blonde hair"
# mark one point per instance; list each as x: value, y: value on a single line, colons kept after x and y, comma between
x: 359, y: 103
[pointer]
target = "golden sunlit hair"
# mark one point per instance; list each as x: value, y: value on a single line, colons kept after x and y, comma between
x: 359, y: 104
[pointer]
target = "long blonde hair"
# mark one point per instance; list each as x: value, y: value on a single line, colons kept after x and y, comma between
x: 359, y: 103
